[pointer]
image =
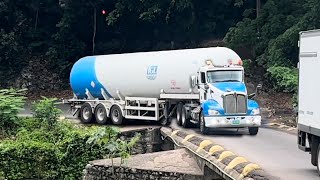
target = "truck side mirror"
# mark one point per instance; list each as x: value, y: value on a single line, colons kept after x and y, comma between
x: 193, y: 81
x: 254, y: 95
x: 206, y: 86
x: 259, y: 87
x: 203, y: 77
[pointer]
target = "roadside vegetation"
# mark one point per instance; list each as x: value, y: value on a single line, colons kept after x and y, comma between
x: 42, y: 147
x: 41, y: 40
x: 273, y: 38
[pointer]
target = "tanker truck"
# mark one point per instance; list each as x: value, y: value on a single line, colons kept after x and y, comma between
x: 202, y: 86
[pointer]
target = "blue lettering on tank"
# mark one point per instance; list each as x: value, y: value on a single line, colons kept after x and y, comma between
x: 152, y: 72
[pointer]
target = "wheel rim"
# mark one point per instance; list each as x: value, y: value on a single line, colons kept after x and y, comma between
x: 100, y: 114
x: 86, y: 113
x: 115, y: 115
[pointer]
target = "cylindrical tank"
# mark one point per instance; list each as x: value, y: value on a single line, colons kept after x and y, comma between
x: 144, y: 74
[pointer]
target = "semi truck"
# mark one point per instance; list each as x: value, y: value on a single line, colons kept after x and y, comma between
x: 202, y: 86
x: 308, y: 95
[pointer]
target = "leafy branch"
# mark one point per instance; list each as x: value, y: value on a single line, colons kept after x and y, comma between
x: 115, y: 147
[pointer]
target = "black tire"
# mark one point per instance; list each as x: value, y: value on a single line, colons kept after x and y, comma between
x: 179, y: 111
x: 116, y: 115
x: 314, y: 150
x: 185, y: 118
x: 86, y: 115
x: 318, y: 160
x: 253, y: 130
x: 100, y: 113
x: 203, y: 128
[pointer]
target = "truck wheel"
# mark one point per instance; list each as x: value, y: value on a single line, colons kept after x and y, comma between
x: 253, y: 130
x: 116, y: 115
x: 318, y: 159
x: 179, y: 114
x: 203, y: 128
x: 101, y: 114
x: 314, y: 150
x: 185, y: 118
x: 86, y: 115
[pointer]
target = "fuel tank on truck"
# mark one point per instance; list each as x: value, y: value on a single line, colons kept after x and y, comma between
x: 144, y: 74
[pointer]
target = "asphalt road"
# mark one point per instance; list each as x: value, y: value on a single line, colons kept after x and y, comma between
x: 277, y: 152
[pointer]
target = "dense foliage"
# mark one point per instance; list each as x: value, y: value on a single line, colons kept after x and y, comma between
x: 273, y: 38
x: 44, y: 148
x: 41, y: 39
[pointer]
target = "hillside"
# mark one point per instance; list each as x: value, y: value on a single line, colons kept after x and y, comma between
x: 40, y: 40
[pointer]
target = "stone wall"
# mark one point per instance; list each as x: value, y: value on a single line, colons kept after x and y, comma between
x: 145, y: 161
x: 150, y: 140
x: 93, y: 172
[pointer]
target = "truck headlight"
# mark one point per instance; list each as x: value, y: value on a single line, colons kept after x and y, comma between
x: 212, y: 112
x: 255, y: 111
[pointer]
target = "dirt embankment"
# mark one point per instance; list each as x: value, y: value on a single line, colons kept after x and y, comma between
x: 276, y: 107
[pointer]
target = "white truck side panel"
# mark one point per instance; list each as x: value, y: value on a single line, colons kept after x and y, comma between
x: 309, y: 75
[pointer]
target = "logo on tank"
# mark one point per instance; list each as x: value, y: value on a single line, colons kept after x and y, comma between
x: 152, y: 72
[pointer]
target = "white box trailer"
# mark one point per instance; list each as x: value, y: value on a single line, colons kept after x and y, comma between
x: 309, y: 95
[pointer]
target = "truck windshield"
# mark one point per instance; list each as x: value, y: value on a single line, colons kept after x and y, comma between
x: 224, y: 76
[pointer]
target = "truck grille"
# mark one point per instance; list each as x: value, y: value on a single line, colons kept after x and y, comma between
x: 235, y: 104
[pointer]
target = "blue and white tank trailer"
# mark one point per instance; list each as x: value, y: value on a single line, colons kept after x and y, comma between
x: 204, y: 86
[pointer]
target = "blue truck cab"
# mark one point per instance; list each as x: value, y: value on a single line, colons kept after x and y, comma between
x: 224, y: 100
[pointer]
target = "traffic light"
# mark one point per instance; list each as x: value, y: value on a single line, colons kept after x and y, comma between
x: 104, y: 12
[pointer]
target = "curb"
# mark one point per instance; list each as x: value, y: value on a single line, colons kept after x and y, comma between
x: 281, y: 127
x: 224, y: 162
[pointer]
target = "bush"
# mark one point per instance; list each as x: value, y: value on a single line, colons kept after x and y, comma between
x: 45, y: 111
x: 11, y: 101
x: 45, y: 148
x: 29, y: 160
x: 61, y: 153
x: 283, y: 78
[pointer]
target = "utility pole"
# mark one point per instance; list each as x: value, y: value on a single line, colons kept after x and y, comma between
x: 258, y: 7
x: 94, y: 30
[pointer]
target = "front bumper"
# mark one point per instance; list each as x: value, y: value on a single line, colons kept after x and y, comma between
x: 232, y: 121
